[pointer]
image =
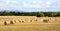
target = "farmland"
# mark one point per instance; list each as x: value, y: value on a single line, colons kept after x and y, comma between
x: 29, y: 23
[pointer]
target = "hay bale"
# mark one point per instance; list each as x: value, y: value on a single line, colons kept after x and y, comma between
x: 30, y: 20
x: 14, y: 21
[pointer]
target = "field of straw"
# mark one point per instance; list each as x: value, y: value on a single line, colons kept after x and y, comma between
x: 29, y: 23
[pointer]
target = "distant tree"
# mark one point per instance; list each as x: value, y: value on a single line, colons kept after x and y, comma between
x: 51, y: 14
x: 58, y: 14
x: 40, y: 14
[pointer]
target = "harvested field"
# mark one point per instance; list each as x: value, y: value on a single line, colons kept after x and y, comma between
x: 29, y: 23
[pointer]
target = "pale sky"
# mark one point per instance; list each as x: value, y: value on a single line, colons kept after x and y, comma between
x: 30, y: 5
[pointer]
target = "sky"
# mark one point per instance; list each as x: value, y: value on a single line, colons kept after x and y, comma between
x: 30, y: 5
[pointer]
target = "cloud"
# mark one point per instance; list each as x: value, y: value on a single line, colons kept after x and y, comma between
x: 37, y: 4
x: 34, y: 4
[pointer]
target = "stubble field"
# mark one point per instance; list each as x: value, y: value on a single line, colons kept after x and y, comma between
x: 29, y: 23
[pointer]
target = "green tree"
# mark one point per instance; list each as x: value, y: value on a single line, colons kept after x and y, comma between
x: 40, y: 14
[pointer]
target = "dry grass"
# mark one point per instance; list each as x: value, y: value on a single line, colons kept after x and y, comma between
x: 29, y: 23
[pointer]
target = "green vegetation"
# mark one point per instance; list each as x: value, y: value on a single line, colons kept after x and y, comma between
x: 38, y: 14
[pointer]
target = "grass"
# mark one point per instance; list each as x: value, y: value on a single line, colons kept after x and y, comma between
x: 31, y: 27
x: 39, y: 25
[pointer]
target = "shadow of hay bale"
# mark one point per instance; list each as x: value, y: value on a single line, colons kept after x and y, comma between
x: 5, y: 23
x: 22, y: 21
x: 45, y: 20
x: 11, y: 22
x: 19, y: 21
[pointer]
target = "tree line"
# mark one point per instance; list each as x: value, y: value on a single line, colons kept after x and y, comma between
x: 38, y: 14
